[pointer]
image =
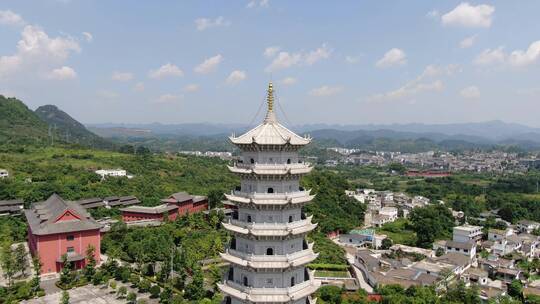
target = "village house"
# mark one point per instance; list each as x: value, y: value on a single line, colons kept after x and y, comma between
x: 57, y: 228
x: 467, y: 233
x: 11, y: 207
x: 527, y: 226
x: 4, y: 173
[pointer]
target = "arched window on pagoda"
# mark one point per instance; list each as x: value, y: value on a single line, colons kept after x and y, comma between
x: 269, y: 251
x: 270, y: 190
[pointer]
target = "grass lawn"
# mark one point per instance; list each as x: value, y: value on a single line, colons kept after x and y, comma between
x: 332, y: 274
x: 398, y: 232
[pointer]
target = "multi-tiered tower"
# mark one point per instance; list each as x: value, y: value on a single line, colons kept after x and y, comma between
x: 268, y: 251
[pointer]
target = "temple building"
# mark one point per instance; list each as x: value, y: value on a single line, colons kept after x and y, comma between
x: 268, y: 251
x: 57, y: 227
x: 176, y: 205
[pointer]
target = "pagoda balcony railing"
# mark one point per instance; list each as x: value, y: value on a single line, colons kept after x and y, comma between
x: 272, y: 258
x: 271, y: 196
x: 274, y: 166
x: 271, y: 226
x: 272, y: 290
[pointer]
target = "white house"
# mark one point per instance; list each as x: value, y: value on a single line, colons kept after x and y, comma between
x: 467, y: 233
x: 4, y: 173
x: 112, y: 173
x: 527, y: 226
x: 497, y: 234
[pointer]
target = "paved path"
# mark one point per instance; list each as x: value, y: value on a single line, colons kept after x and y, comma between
x: 90, y: 294
x: 359, y: 275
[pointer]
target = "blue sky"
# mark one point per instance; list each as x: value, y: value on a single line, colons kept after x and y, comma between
x: 348, y: 62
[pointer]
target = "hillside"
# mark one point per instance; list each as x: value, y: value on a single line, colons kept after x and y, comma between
x: 20, y: 125
x: 69, y: 129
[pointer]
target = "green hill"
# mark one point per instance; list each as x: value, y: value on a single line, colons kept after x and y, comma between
x: 20, y: 125
x: 70, y: 130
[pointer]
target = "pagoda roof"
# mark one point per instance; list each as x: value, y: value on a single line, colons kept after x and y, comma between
x: 270, y: 229
x: 270, y: 131
x: 299, y: 197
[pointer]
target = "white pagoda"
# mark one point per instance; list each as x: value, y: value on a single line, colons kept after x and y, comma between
x: 268, y: 251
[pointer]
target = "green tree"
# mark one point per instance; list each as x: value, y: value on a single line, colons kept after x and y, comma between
x: 21, y: 259
x: 154, y: 291
x: 65, y: 297
x: 215, y: 196
x: 195, y: 289
x: 515, y: 289
x: 131, y: 298
x: 144, y: 286
x: 90, y: 268
x: 166, y: 295
x: 386, y: 243
x: 122, y: 291
x: 65, y: 274
x: 8, y: 262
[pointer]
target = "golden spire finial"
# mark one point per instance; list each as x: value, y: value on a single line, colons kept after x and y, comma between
x: 270, y: 97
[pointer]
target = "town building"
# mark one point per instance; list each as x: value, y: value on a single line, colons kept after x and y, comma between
x: 268, y: 251
x: 11, y: 207
x: 112, y: 173
x: 57, y: 228
x: 527, y: 226
x: 467, y: 233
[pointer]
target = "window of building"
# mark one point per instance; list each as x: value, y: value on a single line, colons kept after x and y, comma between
x: 249, y: 218
x: 70, y: 249
x: 245, y: 281
x: 290, y: 218
x: 270, y: 251
x: 70, y: 237
x: 269, y: 281
x: 270, y: 190
x: 252, y: 161
x: 292, y: 281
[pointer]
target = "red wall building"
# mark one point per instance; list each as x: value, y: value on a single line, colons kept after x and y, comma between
x: 178, y: 204
x: 56, y: 228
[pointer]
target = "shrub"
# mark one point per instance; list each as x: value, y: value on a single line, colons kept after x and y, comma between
x: 154, y: 291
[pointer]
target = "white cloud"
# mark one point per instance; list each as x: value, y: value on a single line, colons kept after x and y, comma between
x: 107, y: 94
x: 38, y: 52
x: 490, y: 56
x: 423, y: 83
x: 320, y: 53
x: 271, y: 51
x: 393, y: 57
x: 258, y: 3
x: 236, y: 77
x: 10, y: 18
x: 88, y: 36
x: 530, y: 56
x: 168, y: 98
x: 467, y: 42
x: 206, y: 23
x: 121, y: 76
x: 471, y: 92
x: 288, y: 81
x: 209, y: 64
x: 191, y: 88
x: 326, y: 90
x: 352, y: 59
x: 139, y: 87
x: 468, y: 15
x: 286, y: 60
x: 166, y: 70
x: 63, y: 73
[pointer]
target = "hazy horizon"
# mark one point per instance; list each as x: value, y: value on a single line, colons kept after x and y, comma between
x: 210, y: 62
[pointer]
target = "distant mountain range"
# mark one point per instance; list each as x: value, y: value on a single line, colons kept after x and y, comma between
x: 394, y: 136
x: 48, y: 124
